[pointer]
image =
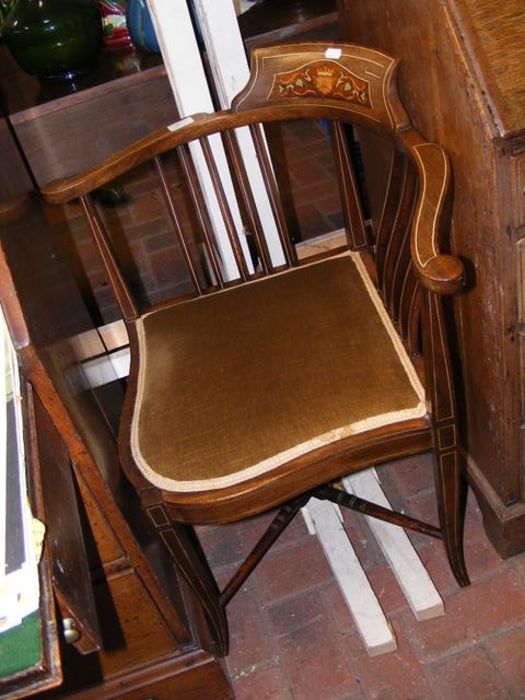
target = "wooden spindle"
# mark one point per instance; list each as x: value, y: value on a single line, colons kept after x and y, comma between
x: 410, y: 311
x: 348, y: 189
x: 170, y: 203
x: 395, y: 186
x: 360, y: 505
x: 273, y: 194
x: 246, y: 195
x: 283, y: 518
x: 398, y: 256
x: 199, y: 208
x: 225, y: 209
x: 109, y: 261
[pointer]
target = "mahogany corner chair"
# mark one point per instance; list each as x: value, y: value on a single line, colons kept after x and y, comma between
x: 259, y: 393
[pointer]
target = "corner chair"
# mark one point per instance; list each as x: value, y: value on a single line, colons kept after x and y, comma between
x: 259, y: 392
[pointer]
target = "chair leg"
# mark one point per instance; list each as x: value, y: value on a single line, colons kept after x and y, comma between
x: 451, y: 499
x: 185, y: 549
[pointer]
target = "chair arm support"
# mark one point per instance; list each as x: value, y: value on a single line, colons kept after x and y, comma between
x: 439, y: 272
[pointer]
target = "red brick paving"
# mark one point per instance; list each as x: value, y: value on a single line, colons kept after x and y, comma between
x: 292, y: 571
x: 394, y: 675
x: 508, y: 653
x: 317, y: 664
x: 262, y: 683
x: 471, y: 676
x: 294, y: 639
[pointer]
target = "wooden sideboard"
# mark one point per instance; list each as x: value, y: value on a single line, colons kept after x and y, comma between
x: 462, y: 79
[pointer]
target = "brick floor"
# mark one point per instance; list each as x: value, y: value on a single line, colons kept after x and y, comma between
x: 294, y: 639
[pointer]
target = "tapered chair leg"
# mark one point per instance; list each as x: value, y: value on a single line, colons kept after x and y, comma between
x: 451, y: 499
x: 185, y: 549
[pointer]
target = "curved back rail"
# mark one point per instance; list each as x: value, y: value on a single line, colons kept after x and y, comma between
x: 344, y: 84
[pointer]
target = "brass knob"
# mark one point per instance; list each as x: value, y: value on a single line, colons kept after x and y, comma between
x: 71, y: 633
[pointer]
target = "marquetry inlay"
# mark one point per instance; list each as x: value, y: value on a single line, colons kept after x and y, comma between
x: 322, y: 79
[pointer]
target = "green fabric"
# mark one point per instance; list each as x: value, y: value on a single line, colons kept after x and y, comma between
x: 21, y: 647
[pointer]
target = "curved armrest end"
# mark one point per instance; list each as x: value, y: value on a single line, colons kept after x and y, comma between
x: 444, y: 274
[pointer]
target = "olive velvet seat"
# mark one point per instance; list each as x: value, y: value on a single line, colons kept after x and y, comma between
x: 315, y: 360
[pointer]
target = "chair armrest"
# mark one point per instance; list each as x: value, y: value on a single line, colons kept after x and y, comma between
x: 439, y: 272
x: 156, y: 143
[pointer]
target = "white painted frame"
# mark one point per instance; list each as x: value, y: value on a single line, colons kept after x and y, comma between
x: 230, y: 71
x: 185, y: 71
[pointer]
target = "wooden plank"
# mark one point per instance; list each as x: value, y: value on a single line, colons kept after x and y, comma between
x: 104, y: 370
x: 376, y: 633
x: 185, y: 71
x: 120, y: 360
x: 87, y: 345
x: 114, y: 335
x: 230, y: 72
x: 397, y: 549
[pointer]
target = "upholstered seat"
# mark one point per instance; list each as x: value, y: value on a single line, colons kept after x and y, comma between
x: 234, y: 384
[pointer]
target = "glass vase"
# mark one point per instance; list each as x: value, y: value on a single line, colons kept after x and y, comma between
x: 54, y: 39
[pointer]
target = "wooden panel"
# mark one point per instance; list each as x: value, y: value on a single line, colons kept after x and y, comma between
x: 14, y: 179
x: 134, y: 636
x: 70, y: 569
x: 24, y: 93
x: 133, y: 629
x: 275, y: 22
x: 192, y: 678
x: 449, y: 52
x: 519, y: 189
x: 495, y: 42
x: 108, y: 548
x: 61, y: 143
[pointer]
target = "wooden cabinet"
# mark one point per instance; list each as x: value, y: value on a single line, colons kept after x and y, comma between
x: 63, y: 127
x: 150, y: 630
x: 463, y: 81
